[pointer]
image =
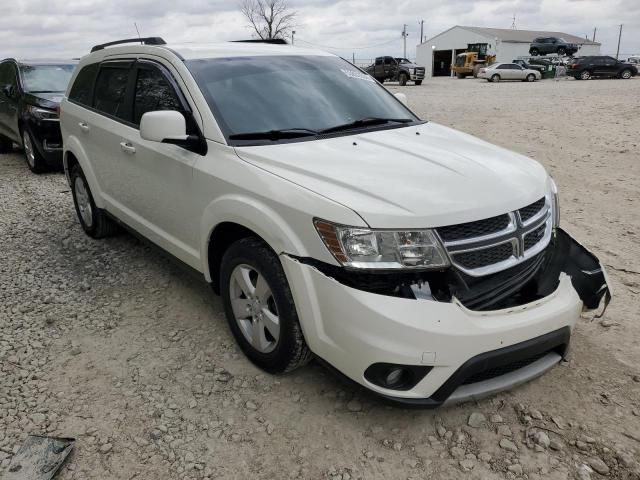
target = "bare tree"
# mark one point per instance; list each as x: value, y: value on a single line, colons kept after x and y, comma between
x: 269, y: 18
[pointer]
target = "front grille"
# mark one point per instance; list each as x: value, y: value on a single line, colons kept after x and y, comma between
x: 530, y: 211
x: 484, y: 257
x: 503, y: 369
x: 478, y: 228
x: 531, y: 239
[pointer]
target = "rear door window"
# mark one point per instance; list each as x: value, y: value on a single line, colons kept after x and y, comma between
x: 82, y: 89
x: 111, y: 91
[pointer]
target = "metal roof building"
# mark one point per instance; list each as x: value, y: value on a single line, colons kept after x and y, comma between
x: 438, y: 53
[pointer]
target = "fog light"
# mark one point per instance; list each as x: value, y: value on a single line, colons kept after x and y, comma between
x: 396, y: 377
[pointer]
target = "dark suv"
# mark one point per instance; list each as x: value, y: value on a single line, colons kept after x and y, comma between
x: 30, y: 95
x: 547, y: 45
x: 584, y: 68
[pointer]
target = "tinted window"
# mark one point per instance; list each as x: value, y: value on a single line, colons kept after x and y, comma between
x: 387, y: 60
x: 46, y: 78
x: 82, y: 89
x: 260, y: 94
x: 378, y: 61
x: 153, y: 92
x: 110, y: 90
x: 8, y: 74
x: 502, y: 67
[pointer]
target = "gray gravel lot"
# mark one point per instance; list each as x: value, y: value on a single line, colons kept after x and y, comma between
x: 113, y: 343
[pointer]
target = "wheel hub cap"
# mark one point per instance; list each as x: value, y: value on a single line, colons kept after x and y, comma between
x: 254, y: 308
x: 83, y: 202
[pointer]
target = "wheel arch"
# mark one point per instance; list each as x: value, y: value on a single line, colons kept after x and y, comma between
x: 74, y: 154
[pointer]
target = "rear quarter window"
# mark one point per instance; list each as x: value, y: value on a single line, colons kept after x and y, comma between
x: 82, y: 88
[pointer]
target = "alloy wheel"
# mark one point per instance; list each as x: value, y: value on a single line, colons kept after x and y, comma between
x: 254, y: 308
x: 626, y: 74
x: 28, y: 149
x: 585, y: 75
x: 84, y: 202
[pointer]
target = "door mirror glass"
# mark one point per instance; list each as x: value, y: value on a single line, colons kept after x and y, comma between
x: 402, y: 97
x: 163, y: 125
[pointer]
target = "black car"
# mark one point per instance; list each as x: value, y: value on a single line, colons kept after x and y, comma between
x: 583, y: 68
x: 30, y: 95
x: 547, y: 45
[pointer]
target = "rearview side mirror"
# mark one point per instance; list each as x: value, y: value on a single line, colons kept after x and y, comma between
x: 402, y: 97
x: 163, y: 125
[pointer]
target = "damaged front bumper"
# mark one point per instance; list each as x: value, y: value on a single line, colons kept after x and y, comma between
x: 462, y: 349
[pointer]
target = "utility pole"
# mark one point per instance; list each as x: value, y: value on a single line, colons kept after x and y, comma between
x: 619, y: 37
x: 421, y: 31
x: 594, y: 34
x: 293, y: 34
x: 404, y: 38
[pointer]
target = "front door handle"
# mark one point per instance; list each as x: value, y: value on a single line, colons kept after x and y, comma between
x: 83, y: 126
x: 127, y: 147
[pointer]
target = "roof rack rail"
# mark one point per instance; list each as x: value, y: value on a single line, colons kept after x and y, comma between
x: 144, y: 41
x: 273, y: 41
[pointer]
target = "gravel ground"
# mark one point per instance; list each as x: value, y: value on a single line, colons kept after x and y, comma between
x: 114, y: 344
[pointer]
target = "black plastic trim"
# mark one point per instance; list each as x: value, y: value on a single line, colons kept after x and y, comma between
x: 143, y: 41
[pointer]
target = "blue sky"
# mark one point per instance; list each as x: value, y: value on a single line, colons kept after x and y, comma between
x: 68, y: 28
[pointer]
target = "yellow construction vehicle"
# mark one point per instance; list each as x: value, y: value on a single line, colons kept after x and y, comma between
x: 470, y: 62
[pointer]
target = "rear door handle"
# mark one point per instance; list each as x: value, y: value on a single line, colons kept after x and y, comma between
x: 84, y: 127
x: 127, y: 147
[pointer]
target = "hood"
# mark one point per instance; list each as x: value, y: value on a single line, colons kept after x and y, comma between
x: 410, y: 65
x: 411, y: 177
x: 44, y: 100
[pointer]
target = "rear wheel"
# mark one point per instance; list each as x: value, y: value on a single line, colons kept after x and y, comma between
x: 531, y: 77
x: 403, y: 79
x: 626, y: 74
x: 94, y: 221
x: 495, y: 78
x: 35, y: 162
x: 461, y: 75
x: 585, y: 75
x: 534, y: 52
x: 259, y: 307
x: 562, y: 51
x: 6, y: 145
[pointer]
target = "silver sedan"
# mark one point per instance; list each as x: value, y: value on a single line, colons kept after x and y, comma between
x: 508, y: 71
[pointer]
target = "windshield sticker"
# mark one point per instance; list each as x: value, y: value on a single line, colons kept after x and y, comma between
x: 357, y: 75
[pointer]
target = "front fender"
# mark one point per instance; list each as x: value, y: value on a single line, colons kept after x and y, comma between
x: 74, y: 147
x: 254, y: 215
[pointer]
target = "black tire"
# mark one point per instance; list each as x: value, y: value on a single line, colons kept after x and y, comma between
x: 626, y: 74
x: 562, y: 51
x: 585, y: 75
x: 6, y: 145
x: 461, y: 75
x: 531, y: 77
x: 290, y: 351
x: 32, y: 156
x: 495, y: 78
x: 403, y: 79
x: 418, y: 82
x: 534, y: 52
x: 100, y: 225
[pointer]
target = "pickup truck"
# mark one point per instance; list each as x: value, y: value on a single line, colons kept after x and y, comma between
x: 397, y: 70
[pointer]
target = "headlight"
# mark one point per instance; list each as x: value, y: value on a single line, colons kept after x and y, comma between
x: 363, y: 248
x: 555, y: 203
x: 43, y: 113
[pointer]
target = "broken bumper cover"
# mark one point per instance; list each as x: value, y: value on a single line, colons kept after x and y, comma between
x: 470, y: 354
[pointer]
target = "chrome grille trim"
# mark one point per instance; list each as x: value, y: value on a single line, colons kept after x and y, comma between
x: 515, y: 233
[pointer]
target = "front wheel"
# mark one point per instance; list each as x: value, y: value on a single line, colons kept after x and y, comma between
x: 418, y: 82
x: 534, y: 52
x: 259, y: 307
x: 35, y: 162
x: 531, y: 77
x: 585, y: 75
x: 562, y: 52
x: 626, y: 74
x: 403, y: 79
x: 495, y: 78
x: 93, y: 220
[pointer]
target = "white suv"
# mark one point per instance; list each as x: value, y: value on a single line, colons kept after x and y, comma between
x: 421, y: 262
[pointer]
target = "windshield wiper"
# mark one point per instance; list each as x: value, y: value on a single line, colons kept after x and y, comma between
x: 275, y: 134
x: 365, y: 122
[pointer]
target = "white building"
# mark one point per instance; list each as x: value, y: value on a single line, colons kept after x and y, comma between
x: 438, y: 53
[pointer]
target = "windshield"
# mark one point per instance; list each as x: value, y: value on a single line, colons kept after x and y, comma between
x: 306, y: 93
x: 46, y: 78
